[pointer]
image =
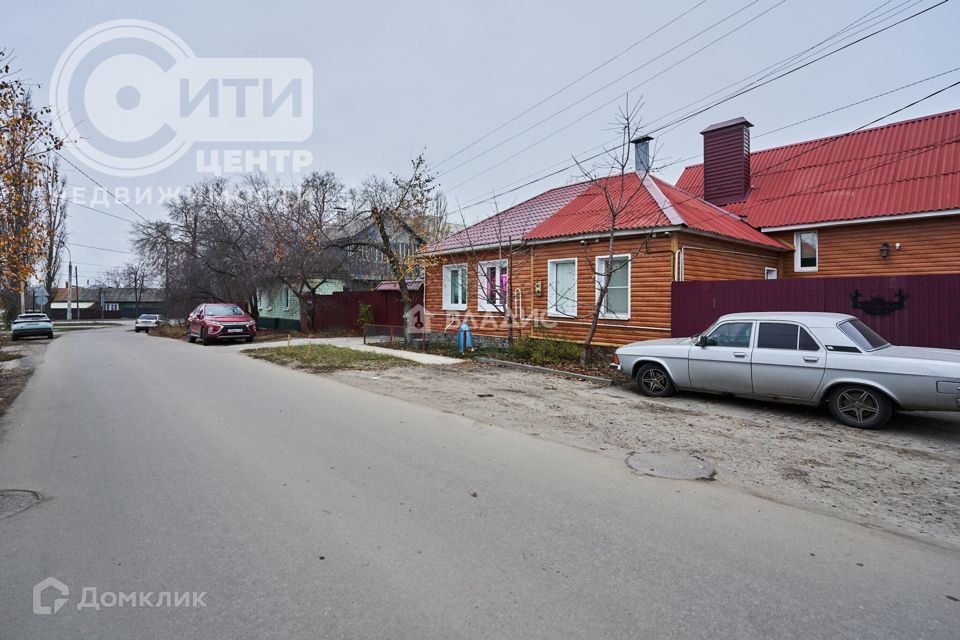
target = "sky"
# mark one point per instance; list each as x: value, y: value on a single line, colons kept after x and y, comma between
x: 495, y: 94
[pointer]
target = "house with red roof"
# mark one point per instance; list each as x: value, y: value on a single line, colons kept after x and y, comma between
x: 878, y: 201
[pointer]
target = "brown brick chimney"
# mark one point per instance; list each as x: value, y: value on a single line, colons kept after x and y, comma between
x: 726, y: 161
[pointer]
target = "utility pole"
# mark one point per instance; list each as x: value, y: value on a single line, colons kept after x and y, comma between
x: 76, y: 275
x: 69, y: 288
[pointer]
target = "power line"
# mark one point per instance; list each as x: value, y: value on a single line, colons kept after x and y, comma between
x: 572, y: 83
x: 609, y: 84
x: 838, y: 109
x: 107, y: 191
x: 106, y: 213
x: 717, y: 103
x: 779, y: 64
x: 88, y: 246
x: 775, y: 66
x: 863, y: 22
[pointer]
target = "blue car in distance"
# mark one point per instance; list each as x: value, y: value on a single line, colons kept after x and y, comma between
x: 32, y: 324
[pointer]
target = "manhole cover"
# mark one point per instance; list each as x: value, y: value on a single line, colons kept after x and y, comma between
x: 13, y: 501
x: 671, y: 465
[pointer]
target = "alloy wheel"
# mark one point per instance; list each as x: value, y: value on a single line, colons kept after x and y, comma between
x: 859, y: 405
x: 654, y: 381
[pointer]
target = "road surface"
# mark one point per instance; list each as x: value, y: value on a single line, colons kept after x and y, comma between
x: 303, y: 508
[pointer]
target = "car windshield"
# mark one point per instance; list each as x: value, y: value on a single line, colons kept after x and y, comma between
x: 223, y: 310
x: 864, y: 337
x: 148, y: 317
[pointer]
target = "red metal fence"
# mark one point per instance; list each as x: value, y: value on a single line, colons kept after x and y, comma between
x: 910, y: 310
x: 340, y: 311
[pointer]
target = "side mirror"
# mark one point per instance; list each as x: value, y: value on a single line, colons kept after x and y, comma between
x: 702, y: 340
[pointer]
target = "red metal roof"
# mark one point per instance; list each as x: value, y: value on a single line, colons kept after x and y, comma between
x: 588, y: 212
x: 703, y: 216
x: 905, y: 167
x: 652, y: 204
x: 511, y: 224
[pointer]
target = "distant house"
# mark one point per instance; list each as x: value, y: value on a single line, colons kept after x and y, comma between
x: 878, y: 201
x: 117, y: 302
x: 280, y: 308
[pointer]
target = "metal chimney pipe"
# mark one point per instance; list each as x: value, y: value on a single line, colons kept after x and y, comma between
x: 641, y: 154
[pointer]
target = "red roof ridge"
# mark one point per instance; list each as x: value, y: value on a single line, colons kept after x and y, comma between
x: 708, y: 203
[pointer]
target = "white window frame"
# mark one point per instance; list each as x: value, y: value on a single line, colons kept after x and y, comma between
x: 552, y: 290
x: 603, y: 313
x: 796, y: 251
x: 770, y: 273
x: 482, y: 303
x: 447, y: 305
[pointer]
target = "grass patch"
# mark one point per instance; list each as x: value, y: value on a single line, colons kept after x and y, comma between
x: 324, y: 357
x: 6, y: 357
x: 169, y: 331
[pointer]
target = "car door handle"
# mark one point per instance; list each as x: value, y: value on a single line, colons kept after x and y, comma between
x: 739, y: 354
x: 811, y: 359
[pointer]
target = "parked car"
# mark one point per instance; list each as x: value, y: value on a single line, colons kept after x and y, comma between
x: 149, y: 321
x: 31, y: 324
x: 212, y: 322
x: 800, y: 358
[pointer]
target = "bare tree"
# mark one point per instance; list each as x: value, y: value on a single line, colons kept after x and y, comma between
x: 53, y: 205
x: 209, y: 248
x: 620, y: 190
x: 400, y: 211
x: 134, y: 275
x: 302, y: 235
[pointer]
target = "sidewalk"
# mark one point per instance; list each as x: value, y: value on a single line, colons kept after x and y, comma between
x: 356, y: 344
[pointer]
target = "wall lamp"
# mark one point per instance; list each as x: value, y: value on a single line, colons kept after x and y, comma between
x: 884, y: 250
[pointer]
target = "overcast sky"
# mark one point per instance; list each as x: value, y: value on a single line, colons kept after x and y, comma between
x: 393, y: 78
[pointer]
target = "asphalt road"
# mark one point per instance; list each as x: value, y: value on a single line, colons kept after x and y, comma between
x: 309, y: 509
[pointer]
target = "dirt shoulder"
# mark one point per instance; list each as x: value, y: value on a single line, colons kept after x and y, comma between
x: 17, y: 361
x: 905, y: 478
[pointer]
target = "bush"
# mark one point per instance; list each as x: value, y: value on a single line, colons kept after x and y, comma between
x: 545, y: 352
x: 364, y: 316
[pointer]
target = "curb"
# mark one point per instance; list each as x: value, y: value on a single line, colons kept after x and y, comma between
x: 531, y: 367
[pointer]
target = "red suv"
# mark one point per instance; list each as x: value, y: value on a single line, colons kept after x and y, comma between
x: 212, y: 322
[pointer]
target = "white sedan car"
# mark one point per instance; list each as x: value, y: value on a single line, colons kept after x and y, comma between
x: 149, y: 321
x: 800, y: 358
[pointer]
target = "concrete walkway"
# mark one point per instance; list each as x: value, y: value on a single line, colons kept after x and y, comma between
x: 356, y: 344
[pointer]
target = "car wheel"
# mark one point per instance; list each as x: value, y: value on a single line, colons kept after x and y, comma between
x: 136, y: 329
x: 248, y: 339
x: 204, y: 338
x: 14, y: 337
x: 860, y: 407
x: 192, y: 338
x: 50, y: 336
x: 654, y: 381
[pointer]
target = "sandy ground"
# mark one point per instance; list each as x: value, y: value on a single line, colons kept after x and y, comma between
x: 905, y: 478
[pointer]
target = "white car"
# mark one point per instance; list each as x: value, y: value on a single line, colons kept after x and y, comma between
x: 32, y: 324
x: 800, y: 358
x: 149, y: 321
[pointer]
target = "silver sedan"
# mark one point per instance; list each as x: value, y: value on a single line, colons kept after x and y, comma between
x: 800, y: 358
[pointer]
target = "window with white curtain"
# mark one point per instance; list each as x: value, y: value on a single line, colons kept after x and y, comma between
x: 455, y: 287
x: 562, y: 288
x: 616, y: 305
